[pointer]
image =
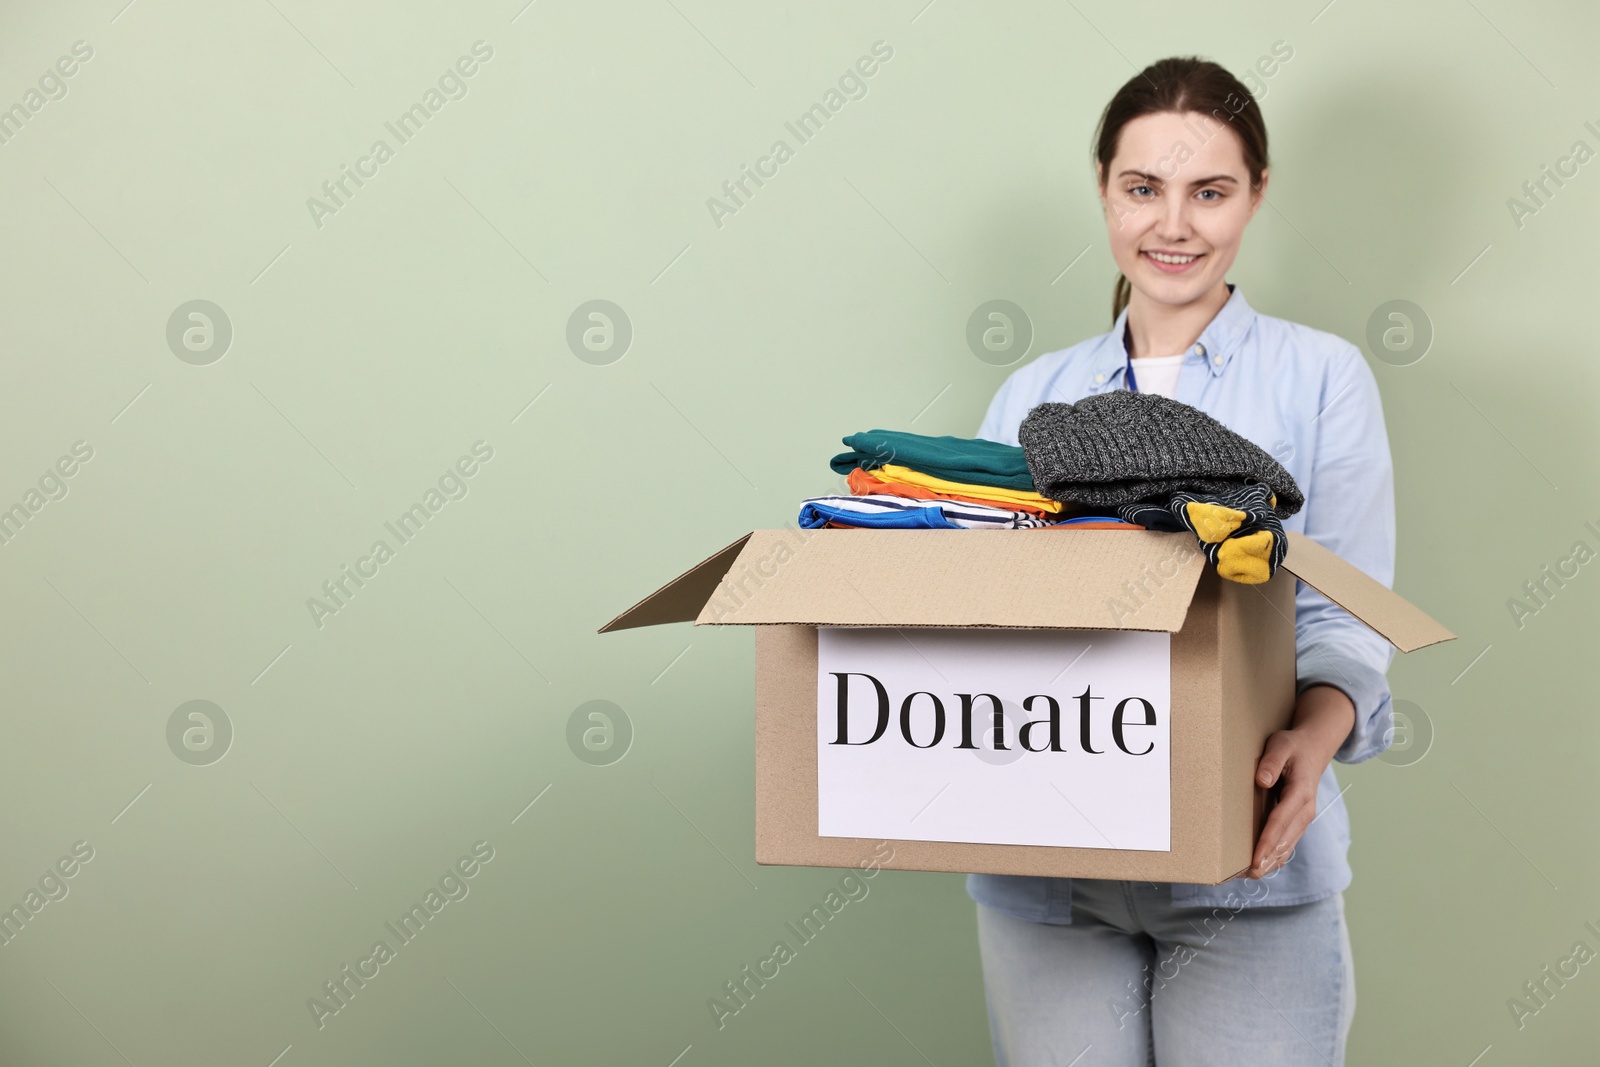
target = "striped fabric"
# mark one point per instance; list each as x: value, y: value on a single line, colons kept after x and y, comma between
x: 885, y: 511
x: 1240, y: 532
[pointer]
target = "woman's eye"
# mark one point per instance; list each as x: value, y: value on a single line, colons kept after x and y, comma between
x: 1135, y: 189
x: 1216, y: 191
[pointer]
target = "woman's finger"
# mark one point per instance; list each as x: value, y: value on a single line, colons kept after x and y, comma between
x: 1280, y: 834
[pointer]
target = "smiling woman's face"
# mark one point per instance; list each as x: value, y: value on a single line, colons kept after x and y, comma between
x: 1169, y: 194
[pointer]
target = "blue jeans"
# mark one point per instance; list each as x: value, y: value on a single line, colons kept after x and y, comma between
x: 1136, y: 982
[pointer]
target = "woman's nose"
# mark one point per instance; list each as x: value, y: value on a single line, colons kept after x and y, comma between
x: 1173, y: 222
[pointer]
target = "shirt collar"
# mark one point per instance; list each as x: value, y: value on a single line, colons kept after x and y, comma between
x: 1217, y: 343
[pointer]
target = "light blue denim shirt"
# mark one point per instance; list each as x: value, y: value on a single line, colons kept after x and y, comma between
x: 1308, y: 398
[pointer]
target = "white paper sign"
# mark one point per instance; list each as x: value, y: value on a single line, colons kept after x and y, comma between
x: 907, y: 746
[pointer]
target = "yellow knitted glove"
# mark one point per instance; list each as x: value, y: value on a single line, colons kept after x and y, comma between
x: 1247, y: 559
x: 1213, y: 522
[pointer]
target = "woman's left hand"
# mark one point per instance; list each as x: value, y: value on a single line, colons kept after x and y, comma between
x: 1323, y: 718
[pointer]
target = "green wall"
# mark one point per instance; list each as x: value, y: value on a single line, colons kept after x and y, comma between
x: 374, y: 345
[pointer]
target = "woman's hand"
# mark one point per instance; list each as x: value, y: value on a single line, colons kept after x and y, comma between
x: 1323, y: 718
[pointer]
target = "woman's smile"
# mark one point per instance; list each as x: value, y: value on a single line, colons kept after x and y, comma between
x: 1170, y: 262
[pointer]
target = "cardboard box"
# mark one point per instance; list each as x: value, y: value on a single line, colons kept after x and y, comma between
x: 1172, y: 663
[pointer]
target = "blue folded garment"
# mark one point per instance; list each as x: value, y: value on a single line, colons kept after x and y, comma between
x: 814, y: 515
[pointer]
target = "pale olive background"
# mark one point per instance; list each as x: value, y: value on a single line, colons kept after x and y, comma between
x: 369, y: 354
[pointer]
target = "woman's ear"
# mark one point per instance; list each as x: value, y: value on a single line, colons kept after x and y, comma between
x: 1260, y: 193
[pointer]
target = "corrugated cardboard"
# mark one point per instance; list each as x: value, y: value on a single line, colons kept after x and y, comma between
x: 1233, y: 664
x: 1024, y: 579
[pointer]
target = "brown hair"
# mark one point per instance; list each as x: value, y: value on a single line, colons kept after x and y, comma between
x: 1180, y: 84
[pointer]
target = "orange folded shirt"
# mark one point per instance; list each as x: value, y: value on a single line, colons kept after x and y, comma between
x: 863, y: 482
x: 1113, y: 525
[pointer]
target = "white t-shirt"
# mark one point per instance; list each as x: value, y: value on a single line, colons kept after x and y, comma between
x: 1158, y: 374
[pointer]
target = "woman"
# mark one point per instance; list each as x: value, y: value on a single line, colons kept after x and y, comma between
x: 1258, y: 970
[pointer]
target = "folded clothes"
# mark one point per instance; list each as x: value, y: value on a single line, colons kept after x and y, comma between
x: 1097, y: 522
x: 1103, y: 524
x: 865, y: 483
x: 885, y: 512
x: 995, y: 496
x: 1123, y: 447
x: 1239, y: 530
x: 958, y: 459
x: 826, y: 512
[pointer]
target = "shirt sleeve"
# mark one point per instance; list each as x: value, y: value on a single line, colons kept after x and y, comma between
x: 1350, y: 510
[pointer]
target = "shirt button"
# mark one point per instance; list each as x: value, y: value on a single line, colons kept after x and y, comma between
x: 1098, y: 378
x: 1217, y: 360
x: 1199, y: 350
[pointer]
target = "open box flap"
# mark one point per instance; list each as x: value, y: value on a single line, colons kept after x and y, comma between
x: 1027, y: 579
x: 681, y: 599
x: 1402, y: 623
